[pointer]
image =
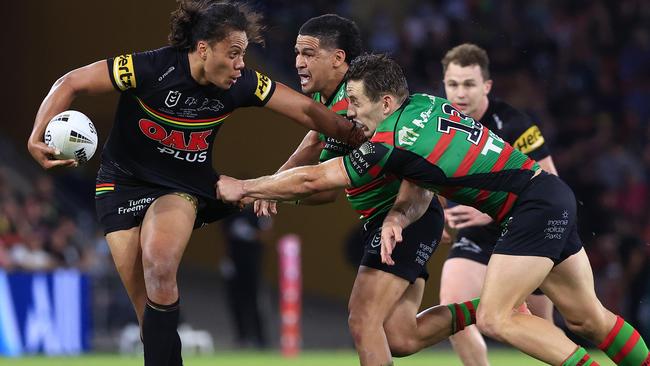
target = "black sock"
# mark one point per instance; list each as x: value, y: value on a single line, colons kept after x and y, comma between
x: 159, y: 330
x: 176, y: 358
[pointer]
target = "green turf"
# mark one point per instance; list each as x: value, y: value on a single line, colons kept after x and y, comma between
x: 322, y: 358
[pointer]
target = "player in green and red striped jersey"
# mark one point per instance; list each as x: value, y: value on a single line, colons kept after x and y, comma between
x: 379, y: 318
x: 426, y: 140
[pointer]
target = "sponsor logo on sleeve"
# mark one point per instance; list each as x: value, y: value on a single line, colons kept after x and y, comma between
x: 263, y: 86
x: 366, y: 156
x: 530, y: 140
x: 124, y: 72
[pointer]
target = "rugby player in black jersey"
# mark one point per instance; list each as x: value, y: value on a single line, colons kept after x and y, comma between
x: 467, y: 84
x: 385, y: 300
x: 155, y: 183
x: 425, y: 139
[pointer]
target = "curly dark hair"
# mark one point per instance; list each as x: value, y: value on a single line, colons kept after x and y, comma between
x: 380, y: 74
x: 212, y: 21
x: 335, y: 31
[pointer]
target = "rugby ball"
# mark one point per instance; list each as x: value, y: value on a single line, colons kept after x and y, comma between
x: 72, y: 133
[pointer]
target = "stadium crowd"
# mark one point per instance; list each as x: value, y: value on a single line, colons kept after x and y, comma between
x: 37, y: 233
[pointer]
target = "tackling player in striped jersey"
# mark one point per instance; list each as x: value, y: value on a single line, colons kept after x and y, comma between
x: 426, y: 140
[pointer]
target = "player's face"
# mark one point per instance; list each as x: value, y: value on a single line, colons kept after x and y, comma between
x: 361, y: 109
x: 315, y: 65
x: 225, y: 60
x: 466, y: 88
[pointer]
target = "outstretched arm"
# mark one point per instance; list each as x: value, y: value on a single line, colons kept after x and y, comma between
x: 90, y: 79
x: 410, y: 204
x: 314, y: 116
x: 306, y: 153
x: 288, y: 185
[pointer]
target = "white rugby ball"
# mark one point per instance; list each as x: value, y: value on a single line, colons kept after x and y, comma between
x: 73, y: 134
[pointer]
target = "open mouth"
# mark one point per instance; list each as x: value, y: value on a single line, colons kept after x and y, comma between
x: 304, y: 78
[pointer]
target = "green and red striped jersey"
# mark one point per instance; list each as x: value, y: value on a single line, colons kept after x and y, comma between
x: 371, y: 199
x: 431, y: 143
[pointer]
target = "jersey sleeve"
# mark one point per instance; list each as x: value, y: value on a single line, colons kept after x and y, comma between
x: 252, y: 89
x: 365, y: 163
x: 528, y: 138
x: 131, y: 71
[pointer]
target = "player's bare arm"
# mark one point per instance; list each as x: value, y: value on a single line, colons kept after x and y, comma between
x: 306, y: 153
x: 410, y: 204
x: 90, y: 79
x: 314, y: 116
x: 289, y: 185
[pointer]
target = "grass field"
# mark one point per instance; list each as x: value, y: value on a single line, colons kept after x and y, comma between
x: 322, y: 358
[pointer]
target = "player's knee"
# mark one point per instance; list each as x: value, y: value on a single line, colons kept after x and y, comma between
x: 586, y: 327
x: 359, y: 321
x: 490, y: 323
x: 159, y: 268
x: 402, y: 346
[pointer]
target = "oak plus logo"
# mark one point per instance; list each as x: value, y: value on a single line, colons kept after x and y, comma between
x: 172, y: 98
x: 192, y: 148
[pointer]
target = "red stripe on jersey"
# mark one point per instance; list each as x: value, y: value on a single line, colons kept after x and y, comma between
x: 612, y: 334
x: 510, y: 200
x: 374, y: 171
x: 481, y: 197
x: 629, y: 345
x: 105, y: 185
x: 528, y: 164
x: 367, y: 212
x: 385, y: 137
x: 372, y: 185
x: 503, y: 158
x: 341, y: 105
x: 498, y: 165
x: 471, y: 155
x: 441, y: 146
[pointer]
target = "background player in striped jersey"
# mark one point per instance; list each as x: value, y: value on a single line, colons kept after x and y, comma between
x: 156, y: 180
x: 385, y: 299
x: 467, y: 85
x: 427, y: 140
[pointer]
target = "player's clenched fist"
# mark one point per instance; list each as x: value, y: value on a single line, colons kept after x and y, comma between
x: 230, y: 190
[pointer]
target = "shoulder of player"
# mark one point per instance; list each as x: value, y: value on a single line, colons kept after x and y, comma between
x: 406, y: 124
x: 509, y: 115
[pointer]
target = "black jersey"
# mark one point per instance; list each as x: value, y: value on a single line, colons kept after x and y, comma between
x: 166, y: 122
x: 518, y: 130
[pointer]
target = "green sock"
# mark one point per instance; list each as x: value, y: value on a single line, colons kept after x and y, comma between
x: 579, y: 357
x: 463, y: 314
x: 625, y: 346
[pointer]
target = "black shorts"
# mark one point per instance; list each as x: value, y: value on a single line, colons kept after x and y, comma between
x: 122, y: 200
x: 475, y: 243
x: 419, y: 241
x: 543, y: 222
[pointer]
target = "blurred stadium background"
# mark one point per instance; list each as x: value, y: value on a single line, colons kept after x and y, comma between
x: 581, y: 68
